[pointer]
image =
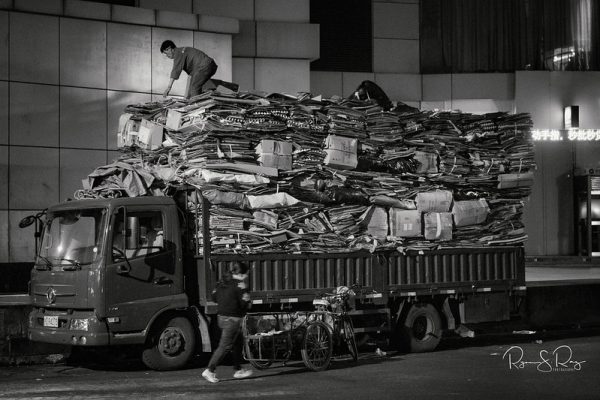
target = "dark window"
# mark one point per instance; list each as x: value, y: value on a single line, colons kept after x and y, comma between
x: 345, y: 35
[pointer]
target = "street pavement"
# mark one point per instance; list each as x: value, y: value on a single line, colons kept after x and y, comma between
x: 559, y: 365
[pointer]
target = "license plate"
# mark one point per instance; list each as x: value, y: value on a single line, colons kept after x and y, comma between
x: 51, y: 321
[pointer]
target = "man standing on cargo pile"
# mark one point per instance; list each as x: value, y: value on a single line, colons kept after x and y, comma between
x: 194, y: 62
x: 233, y: 300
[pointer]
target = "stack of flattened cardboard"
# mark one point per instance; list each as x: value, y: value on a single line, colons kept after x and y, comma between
x: 302, y: 173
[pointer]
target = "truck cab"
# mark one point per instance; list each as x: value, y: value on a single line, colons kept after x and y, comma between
x: 110, y: 271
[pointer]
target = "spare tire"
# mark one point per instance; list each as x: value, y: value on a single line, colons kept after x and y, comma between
x: 421, y: 329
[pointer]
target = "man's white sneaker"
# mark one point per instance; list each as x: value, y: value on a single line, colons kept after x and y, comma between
x: 242, y: 373
x: 210, y: 376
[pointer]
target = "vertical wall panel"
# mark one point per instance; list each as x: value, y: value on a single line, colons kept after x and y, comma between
x: 326, y: 83
x: 282, y: 10
x: 244, y: 42
x: 3, y: 236
x: 129, y: 57
x: 396, y: 55
x: 3, y: 45
x: 33, y: 177
x: 241, y: 9
x: 76, y: 165
x: 3, y: 112
x: 33, y: 115
x: 33, y: 48
x: 171, y: 5
x: 558, y: 198
x: 21, y: 241
x: 3, y: 177
x: 282, y: 75
x: 483, y: 86
x: 437, y: 87
x: 82, y: 53
x: 396, y: 21
x: 217, y: 46
x: 287, y: 40
x: 83, y: 118
x: 402, y: 87
x: 117, y: 101
x: 243, y: 73
x: 161, y: 65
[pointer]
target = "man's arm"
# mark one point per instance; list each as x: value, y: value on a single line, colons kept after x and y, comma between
x: 169, y: 86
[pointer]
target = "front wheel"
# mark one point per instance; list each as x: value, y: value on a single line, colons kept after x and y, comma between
x: 171, y: 345
x: 421, y: 330
x: 317, y: 346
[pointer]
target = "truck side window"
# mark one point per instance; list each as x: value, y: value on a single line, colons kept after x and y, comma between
x: 149, y: 233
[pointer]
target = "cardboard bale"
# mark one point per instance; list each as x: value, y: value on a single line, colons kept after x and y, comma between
x: 274, y: 147
x: 428, y: 162
x: 377, y: 225
x: 434, y: 201
x: 341, y: 152
x: 438, y: 226
x: 275, y: 161
x: 470, y: 212
x: 275, y: 154
x: 405, y: 223
x: 150, y: 135
x: 507, y: 181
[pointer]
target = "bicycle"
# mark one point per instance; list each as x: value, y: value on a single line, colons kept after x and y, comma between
x: 331, y: 313
x: 318, y: 334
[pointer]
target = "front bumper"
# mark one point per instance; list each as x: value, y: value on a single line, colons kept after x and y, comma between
x: 97, y: 333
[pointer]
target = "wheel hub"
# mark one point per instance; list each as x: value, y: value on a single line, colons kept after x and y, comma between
x: 171, y: 341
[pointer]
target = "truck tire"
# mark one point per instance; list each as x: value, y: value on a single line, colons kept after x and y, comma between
x: 171, y: 345
x: 421, y: 330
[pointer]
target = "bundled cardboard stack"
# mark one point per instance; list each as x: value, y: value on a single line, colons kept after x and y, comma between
x: 286, y: 173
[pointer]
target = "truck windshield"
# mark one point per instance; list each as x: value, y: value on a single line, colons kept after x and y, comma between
x: 72, y: 238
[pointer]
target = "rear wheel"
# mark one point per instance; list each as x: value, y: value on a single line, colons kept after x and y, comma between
x: 421, y: 330
x: 349, y: 337
x: 317, y: 346
x: 171, y: 345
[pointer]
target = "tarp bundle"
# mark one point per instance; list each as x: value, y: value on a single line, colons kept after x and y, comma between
x: 355, y: 169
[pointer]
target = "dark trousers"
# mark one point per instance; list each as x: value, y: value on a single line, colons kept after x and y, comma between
x: 231, y: 341
x: 199, y: 78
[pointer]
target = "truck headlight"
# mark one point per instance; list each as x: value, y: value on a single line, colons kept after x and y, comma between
x: 79, y: 324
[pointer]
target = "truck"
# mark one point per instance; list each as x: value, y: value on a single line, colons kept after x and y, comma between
x: 139, y: 271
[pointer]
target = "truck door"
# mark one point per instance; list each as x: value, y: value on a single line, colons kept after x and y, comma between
x: 140, y: 272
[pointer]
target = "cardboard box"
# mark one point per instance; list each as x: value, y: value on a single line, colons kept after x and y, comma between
x: 438, y: 226
x: 341, y: 152
x: 434, y: 201
x: 183, y: 121
x: 470, y: 212
x: 128, y: 130
x: 405, y: 223
x: 150, y: 135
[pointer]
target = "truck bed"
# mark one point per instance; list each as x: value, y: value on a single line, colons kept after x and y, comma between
x: 290, y: 278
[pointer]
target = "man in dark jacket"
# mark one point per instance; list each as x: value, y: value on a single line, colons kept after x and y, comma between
x: 194, y: 62
x: 233, y: 301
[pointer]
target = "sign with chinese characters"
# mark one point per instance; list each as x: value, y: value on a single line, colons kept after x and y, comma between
x: 555, y: 135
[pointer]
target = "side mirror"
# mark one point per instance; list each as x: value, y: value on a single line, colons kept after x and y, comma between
x: 133, y: 232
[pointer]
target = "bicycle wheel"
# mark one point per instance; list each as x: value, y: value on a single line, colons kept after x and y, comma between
x: 349, y: 337
x: 317, y: 346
